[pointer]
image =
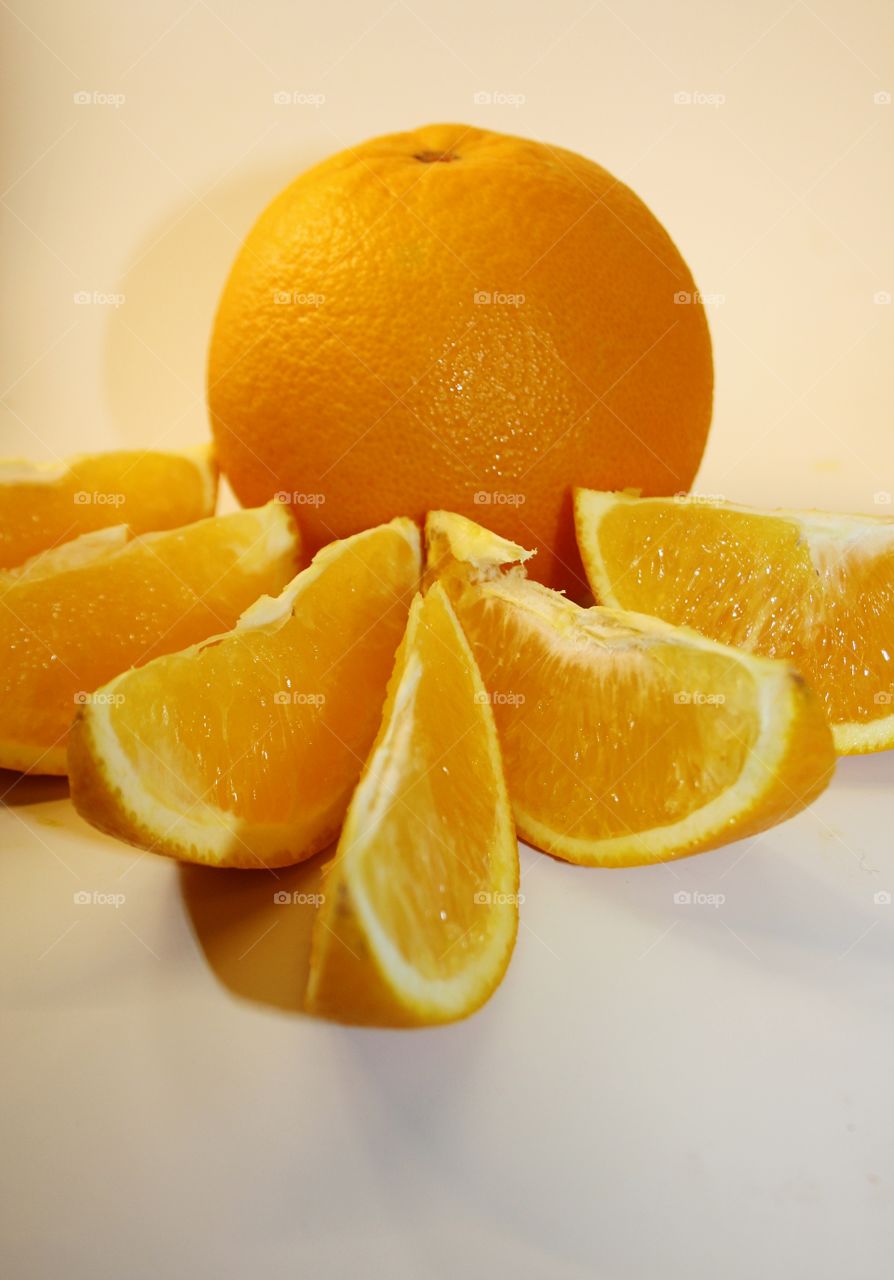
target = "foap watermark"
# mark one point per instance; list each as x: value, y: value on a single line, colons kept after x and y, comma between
x: 298, y: 98
x: 295, y: 298
x: 101, y: 698
x: 699, y: 499
x: 882, y: 898
x: 496, y: 298
x: 882, y: 97
x: 486, y: 899
x: 294, y: 498
x: 884, y: 698
x: 692, y: 297
x: 96, y: 498
x: 96, y: 898
x: 298, y: 698
x: 96, y: 298
x: 882, y: 298
x: 882, y: 498
x: 496, y: 498
x: 295, y: 898
x: 98, y: 98
x: 694, y: 898
x: 498, y: 98
x: 698, y: 698
x: 499, y: 698
x: 698, y: 98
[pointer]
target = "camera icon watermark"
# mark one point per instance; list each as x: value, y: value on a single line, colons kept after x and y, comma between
x: 692, y: 297
x: 95, y: 898
x: 296, y: 298
x: 499, y: 698
x: 883, y: 698
x: 882, y: 298
x: 700, y: 499
x: 497, y: 98
x: 882, y: 98
x: 298, y: 98
x: 101, y: 698
x: 698, y: 698
x: 294, y: 498
x: 694, y: 898
x: 496, y: 498
x: 96, y: 98
x: 284, y: 898
x: 298, y: 698
x: 496, y: 298
x: 96, y: 298
x: 91, y: 498
x: 882, y: 898
x: 882, y: 498
x: 698, y: 98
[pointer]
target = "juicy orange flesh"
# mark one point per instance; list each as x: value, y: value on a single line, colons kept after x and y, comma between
x: 307, y: 696
x: 431, y: 851
x: 148, y: 491
x: 573, y: 710
x: 751, y: 581
x: 75, y: 630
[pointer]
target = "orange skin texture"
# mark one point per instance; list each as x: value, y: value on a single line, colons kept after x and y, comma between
x: 393, y: 391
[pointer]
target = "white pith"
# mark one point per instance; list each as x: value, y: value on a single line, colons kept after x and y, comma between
x: 26, y: 471
x: 207, y: 830
x: 775, y: 683
x: 276, y: 536
x: 373, y: 797
x: 470, y: 543
x: 75, y: 554
x: 830, y: 537
x: 572, y: 630
x: 835, y: 542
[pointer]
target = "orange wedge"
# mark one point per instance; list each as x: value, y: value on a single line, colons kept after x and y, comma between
x: 243, y: 750
x: 45, y: 504
x: 626, y: 740
x: 72, y: 618
x: 420, y: 905
x: 813, y: 587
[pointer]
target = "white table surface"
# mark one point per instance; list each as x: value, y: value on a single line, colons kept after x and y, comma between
x: 658, y: 1089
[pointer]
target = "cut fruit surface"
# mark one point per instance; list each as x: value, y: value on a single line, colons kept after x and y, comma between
x: 242, y: 751
x: 420, y: 906
x: 812, y: 587
x: 74, y: 617
x: 626, y: 740
x: 45, y: 504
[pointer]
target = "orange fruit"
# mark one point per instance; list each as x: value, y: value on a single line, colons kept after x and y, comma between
x: 72, y: 618
x: 44, y: 504
x: 420, y: 905
x: 243, y: 750
x: 457, y: 318
x: 816, y: 588
x: 626, y: 740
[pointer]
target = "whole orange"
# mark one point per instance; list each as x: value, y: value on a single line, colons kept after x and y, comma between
x: 453, y: 318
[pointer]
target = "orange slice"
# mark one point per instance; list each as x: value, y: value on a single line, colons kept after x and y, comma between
x: 45, y: 504
x: 813, y: 587
x: 72, y: 618
x: 243, y: 750
x: 626, y: 740
x: 420, y: 905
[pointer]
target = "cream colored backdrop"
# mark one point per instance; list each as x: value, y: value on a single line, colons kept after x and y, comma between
x: 140, y: 141
x: 657, y: 1089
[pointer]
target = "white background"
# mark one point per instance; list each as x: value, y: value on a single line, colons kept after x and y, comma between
x: 657, y: 1089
